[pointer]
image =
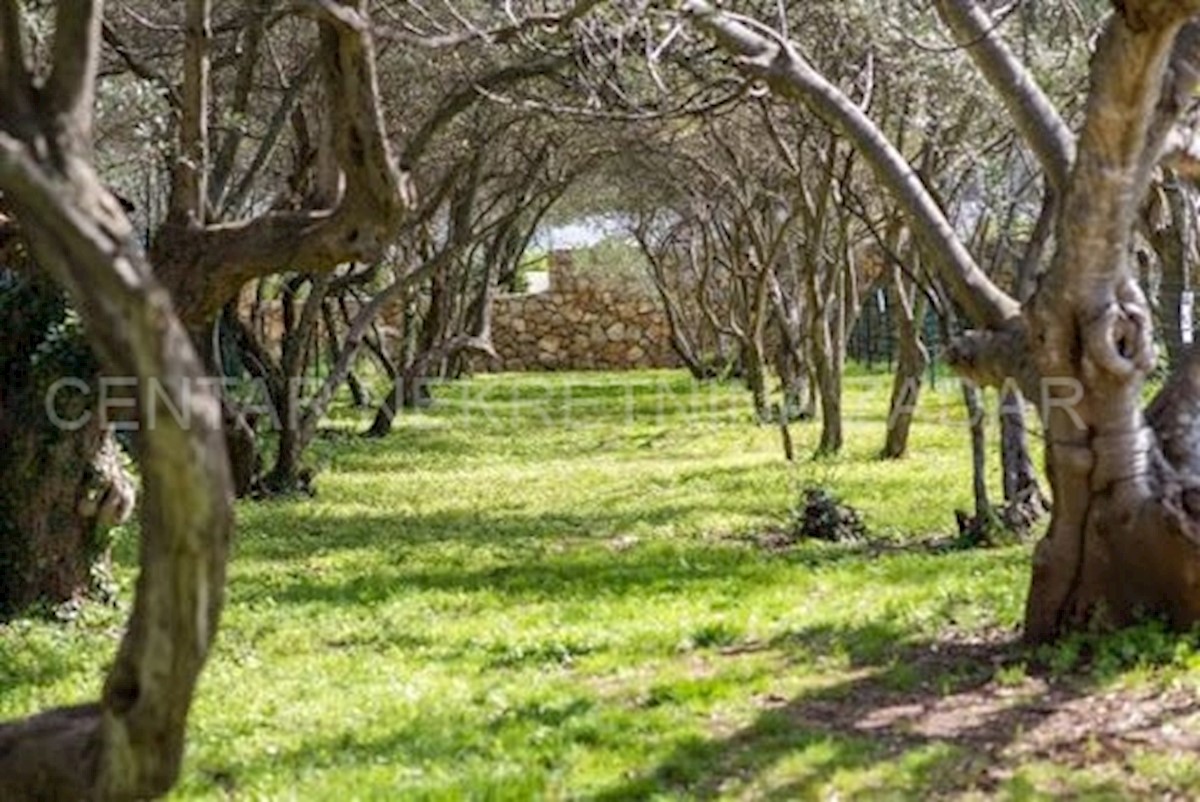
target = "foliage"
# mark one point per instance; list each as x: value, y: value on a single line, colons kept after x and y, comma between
x: 613, y: 261
x: 44, y: 337
x: 1146, y: 647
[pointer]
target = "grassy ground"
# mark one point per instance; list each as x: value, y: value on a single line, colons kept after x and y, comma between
x: 557, y: 587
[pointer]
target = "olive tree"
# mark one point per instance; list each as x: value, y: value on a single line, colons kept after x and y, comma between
x: 1124, y: 537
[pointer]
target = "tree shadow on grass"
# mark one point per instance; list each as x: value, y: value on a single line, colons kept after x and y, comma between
x: 445, y: 757
x: 537, y: 557
x: 937, y: 704
x: 294, y: 534
x: 915, y: 720
x: 525, y: 574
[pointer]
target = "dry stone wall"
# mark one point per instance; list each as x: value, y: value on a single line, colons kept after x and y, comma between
x: 580, y: 323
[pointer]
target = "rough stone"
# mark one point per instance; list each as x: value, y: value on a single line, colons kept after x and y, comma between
x: 581, y: 323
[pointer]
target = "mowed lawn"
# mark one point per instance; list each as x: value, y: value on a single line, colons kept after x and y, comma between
x: 573, y: 587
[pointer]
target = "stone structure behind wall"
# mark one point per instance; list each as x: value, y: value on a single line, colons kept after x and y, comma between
x: 580, y: 323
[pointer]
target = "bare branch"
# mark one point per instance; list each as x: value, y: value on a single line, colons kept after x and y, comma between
x: 1035, y: 116
x: 140, y: 68
x: 189, y: 190
x: 1127, y: 74
x: 777, y: 62
x: 70, y: 89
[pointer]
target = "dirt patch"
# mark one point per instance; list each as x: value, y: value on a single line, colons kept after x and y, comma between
x: 969, y: 692
x: 1001, y: 725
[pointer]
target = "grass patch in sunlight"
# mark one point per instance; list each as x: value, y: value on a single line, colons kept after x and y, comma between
x: 549, y: 587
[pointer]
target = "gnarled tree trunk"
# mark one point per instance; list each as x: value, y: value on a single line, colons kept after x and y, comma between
x: 129, y: 745
x: 1122, y: 540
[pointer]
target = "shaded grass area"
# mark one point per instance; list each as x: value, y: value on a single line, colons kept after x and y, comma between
x: 549, y: 587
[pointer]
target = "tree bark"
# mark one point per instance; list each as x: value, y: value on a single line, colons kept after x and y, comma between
x: 1023, y: 497
x: 1032, y: 112
x: 47, y: 544
x: 130, y: 744
x: 912, y: 358
x: 827, y: 369
x: 976, y: 421
x: 56, y: 501
x: 1120, y: 542
x: 204, y: 266
x: 1173, y: 239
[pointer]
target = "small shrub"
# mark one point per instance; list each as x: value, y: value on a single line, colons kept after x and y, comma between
x: 822, y: 516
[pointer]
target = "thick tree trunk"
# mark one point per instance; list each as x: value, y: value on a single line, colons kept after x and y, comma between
x: 1123, y: 541
x: 48, y: 545
x: 130, y: 744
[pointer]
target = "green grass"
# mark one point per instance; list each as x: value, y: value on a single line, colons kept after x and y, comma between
x: 549, y: 587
